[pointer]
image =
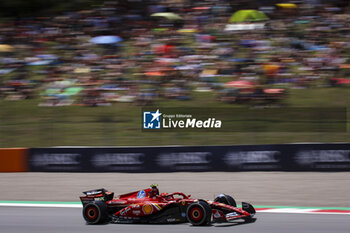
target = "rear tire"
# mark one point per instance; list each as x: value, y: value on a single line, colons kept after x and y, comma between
x: 199, y: 213
x: 95, y: 212
x: 226, y: 199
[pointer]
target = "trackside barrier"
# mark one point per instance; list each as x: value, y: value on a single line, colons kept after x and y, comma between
x: 13, y: 159
x: 286, y: 157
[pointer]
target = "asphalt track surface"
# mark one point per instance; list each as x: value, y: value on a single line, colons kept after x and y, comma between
x: 309, y: 189
x: 259, y: 188
x: 58, y: 220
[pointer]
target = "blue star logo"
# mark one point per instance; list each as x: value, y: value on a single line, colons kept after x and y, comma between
x: 151, y: 120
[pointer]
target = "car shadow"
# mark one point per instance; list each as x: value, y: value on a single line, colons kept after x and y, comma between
x: 231, y: 224
x: 223, y: 224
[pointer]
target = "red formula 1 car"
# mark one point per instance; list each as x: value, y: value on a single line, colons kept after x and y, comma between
x: 148, y: 206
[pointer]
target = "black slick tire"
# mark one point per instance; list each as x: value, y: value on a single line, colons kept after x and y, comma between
x: 199, y: 213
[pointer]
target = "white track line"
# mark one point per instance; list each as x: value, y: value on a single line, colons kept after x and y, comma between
x: 41, y: 205
x: 297, y: 211
x: 277, y: 210
x: 288, y: 210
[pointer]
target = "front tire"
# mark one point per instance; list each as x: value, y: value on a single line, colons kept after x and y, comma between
x: 95, y: 212
x: 199, y: 213
x: 226, y: 199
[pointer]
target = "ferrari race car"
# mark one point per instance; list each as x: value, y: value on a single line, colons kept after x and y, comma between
x: 148, y: 206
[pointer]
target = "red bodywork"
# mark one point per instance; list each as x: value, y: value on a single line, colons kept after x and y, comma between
x: 136, y: 204
x: 141, y: 204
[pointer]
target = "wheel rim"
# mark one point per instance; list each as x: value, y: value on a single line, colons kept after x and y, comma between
x: 196, y: 213
x: 91, y: 213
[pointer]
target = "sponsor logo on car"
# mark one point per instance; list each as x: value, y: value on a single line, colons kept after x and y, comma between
x: 218, y: 214
x: 233, y: 214
x: 141, y: 194
x: 125, y: 210
x: 147, y: 209
x: 93, y: 192
x: 137, y: 212
x: 158, y: 207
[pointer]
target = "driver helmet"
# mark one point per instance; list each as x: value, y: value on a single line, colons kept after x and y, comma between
x: 155, y: 191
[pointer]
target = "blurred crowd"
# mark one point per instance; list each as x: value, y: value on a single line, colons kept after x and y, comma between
x: 112, y: 54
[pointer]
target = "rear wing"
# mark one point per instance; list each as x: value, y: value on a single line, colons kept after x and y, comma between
x: 96, y: 195
x: 95, y: 192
